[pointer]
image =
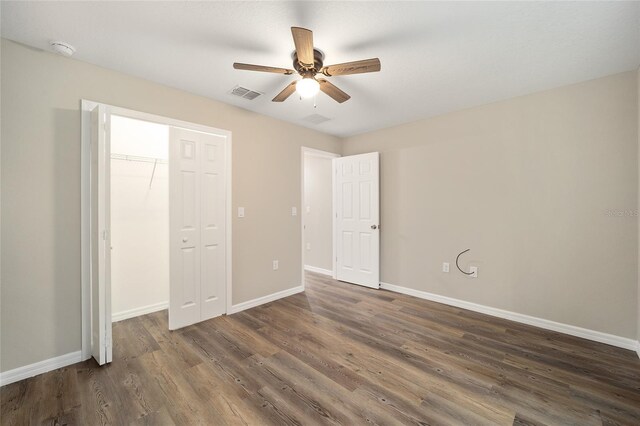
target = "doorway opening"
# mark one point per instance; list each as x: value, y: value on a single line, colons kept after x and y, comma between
x: 318, y: 236
x: 156, y: 221
x: 139, y: 217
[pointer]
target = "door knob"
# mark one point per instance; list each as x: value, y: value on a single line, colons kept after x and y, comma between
x: 374, y: 226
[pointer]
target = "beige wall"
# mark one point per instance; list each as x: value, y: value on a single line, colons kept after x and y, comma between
x: 533, y: 186
x: 41, y: 92
x: 318, y: 211
x: 638, y: 326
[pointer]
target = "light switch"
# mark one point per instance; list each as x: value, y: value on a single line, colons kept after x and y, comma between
x: 308, y: 209
x: 240, y: 211
x: 294, y: 211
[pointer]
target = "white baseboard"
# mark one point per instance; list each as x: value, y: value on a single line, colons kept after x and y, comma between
x: 143, y: 310
x: 318, y: 270
x: 638, y: 348
x: 597, y: 336
x: 265, y: 299
x: 40, y: 367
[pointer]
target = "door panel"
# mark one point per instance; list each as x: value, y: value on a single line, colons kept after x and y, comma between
x: 198, y: 231
x: 184, y: 223
x: 190, y: 284
x: 213, y: 268
x: 101, y: 348
x: 357, y: 219
x: 347, y: 250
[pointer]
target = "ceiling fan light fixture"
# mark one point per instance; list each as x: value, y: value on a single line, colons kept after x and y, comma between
x: 308, y: 87
x: 308, y: 61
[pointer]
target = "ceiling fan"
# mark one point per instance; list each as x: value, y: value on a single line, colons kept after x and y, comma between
x: 308, y: 62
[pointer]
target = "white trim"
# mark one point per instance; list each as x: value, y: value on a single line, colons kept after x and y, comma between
x: 265, y: 299
x: 85, y: 156
x: 229, y: 219
x: 311, y: 152
x: 597, y: 336
x: 136, y: 312
x: 40, y: 367
x: 159, y: 119
x: 318, y: 270
x: 638, y: 348
x: 85, y: 223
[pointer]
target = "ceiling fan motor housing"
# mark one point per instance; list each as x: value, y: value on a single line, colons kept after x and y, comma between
x: 318, y: 60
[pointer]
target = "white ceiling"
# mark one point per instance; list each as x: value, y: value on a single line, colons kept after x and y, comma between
x: 436, y: 57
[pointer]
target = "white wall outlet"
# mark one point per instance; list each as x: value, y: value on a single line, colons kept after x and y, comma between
x: 275, y: 265
x: 445, y: 267
x: 474, y: 271
x: 308, y: 209
x: 240, y: 211
x: 308, y: 246
x: 294, y: 211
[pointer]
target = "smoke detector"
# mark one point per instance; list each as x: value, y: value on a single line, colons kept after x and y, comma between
x: 64, y: 49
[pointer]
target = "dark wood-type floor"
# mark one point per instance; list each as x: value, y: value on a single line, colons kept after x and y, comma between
x: 338, y: 354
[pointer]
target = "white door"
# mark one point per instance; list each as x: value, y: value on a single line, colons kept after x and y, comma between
x: 101, y: 348
x: 213, y: 230
x: 358, y: 219
x: 197, y: 227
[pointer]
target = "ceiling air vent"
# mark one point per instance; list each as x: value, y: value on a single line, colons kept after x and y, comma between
x: 315, y: 119
x: 243, y: 92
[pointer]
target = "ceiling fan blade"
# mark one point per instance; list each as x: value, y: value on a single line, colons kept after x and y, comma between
x: 331, y: 90
x: 261, y: 68
x: 303, y: 39
x: 286, y: 92
x: 356, y: 67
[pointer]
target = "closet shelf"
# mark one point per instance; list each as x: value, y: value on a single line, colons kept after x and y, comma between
x: 154, y: 161
x: 139, y: 159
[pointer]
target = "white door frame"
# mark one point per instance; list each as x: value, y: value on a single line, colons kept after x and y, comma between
x: 85, y: 202
x: 304, y: 151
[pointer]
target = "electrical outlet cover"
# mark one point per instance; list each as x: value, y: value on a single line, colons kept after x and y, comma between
x: 474, y: 272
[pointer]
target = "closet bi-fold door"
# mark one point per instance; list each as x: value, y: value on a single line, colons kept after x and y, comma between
x: 197, y: 227
x: 100, y: 179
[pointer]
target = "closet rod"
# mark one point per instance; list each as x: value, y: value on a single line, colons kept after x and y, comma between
x: 137, y: 158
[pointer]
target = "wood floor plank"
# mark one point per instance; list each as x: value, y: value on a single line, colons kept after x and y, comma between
x: 338, y: 354
x: 101, y: 399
